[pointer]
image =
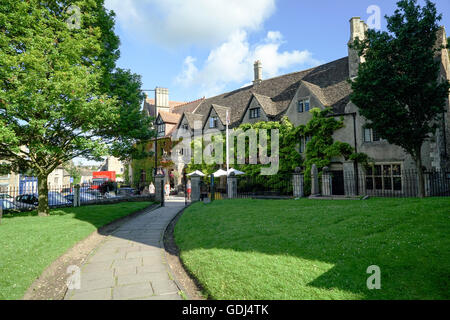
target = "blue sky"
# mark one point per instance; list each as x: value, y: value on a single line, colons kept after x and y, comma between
x: 206, y: 47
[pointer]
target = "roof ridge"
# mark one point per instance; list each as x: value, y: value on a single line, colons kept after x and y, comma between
x: 277, y: 77
x: 186, y: 103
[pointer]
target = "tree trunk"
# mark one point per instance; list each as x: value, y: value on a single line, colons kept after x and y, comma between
x: 421, y: 182
x: 43, y: 208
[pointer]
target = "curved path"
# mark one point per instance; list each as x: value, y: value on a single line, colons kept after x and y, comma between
x: 130, y: 263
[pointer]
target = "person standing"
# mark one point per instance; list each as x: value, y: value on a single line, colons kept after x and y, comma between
x: 152, y: 188
x: 167, y: 188
x: 189, y: 189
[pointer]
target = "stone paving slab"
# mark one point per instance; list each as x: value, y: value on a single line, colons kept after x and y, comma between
x: 130, y: 263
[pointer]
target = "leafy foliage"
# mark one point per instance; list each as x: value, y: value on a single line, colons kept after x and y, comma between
x: 146, y: 161
x: 289, y: 158
x: 60, y: 94
x: 319, y: 150
x: 398, y: 88
x: 322, y: 147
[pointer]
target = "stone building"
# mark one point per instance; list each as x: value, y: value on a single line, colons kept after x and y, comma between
x: 113, y: 164
x: 294, y: 94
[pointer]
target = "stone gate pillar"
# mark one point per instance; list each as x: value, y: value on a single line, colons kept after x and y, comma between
x: 315, y: 191
x: 195, y: 188
x: 232, y: 186
x: 326, y: 182
x: 297, y: 183
x: 159, y: 188
x: 349, y: 178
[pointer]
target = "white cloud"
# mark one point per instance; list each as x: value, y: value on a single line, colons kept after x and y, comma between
x: 181, y: 22
x: 231, y: 63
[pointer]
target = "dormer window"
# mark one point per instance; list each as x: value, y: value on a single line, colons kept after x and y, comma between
x: 213, y: 122
x: 303, y: 105
x: 255, y: 113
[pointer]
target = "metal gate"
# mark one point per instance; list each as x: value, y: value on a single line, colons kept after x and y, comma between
x: 337, y: 182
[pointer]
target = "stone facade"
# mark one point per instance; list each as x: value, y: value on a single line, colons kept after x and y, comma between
x: 294, y: 94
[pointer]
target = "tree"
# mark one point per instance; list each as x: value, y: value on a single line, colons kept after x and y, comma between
x: 60, y: 94
x: 448, y: 41
x: 398, y: 87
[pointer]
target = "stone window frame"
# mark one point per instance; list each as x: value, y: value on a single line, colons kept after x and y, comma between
x: 383, y: 177
x: 302, y: 102
x: 370, y: 135
x: 252, y: 112
x: 303, y: 142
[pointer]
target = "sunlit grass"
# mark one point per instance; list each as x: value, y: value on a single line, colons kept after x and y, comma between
x: 28, y: 244
x: 309, y: 249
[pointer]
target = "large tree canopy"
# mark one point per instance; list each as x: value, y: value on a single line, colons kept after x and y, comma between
x: 398, y: 88
x: 60, y: 94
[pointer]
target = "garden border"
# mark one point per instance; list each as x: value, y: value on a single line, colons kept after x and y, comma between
x: 187, y: 282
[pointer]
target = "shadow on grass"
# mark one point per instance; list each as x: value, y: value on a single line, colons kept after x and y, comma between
x: 406, y: 238
x: 96, y: 214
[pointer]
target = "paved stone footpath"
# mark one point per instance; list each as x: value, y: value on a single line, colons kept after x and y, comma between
x: 130, y: 263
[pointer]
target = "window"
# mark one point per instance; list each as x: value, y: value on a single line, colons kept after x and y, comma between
x: 303, y: 105
x: 384, y: 176
x: 161, y: 129
x: 213, y: 122
x: 303, y: 143
x: 255, y: 113
x: 143, y: 176
x: 185, y: 127
x: 371, y: 135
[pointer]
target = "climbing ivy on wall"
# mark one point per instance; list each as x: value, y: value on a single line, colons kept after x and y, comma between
x: 322, y: 147
x: 320, y: 150
x: 148, y: 163
x: 289, y: 158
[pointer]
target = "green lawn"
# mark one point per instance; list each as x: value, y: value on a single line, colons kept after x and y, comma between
x: 29, y: 244
x: 318, y: 249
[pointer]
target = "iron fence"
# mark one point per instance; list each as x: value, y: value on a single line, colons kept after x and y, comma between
x: 390, y: 183
x: 276, y: 186
x: 27, y: 198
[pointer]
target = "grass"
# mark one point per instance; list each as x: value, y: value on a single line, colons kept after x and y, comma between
x: 318, y: 249
x: 29, y: 243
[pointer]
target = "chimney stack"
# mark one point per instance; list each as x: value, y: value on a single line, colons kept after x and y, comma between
x: 258, y: 72
x: 358, y: 30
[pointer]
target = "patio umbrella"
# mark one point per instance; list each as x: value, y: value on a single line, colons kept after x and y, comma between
x: 219, y: 173
x: 236, y: 172
x: 196, y: 172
